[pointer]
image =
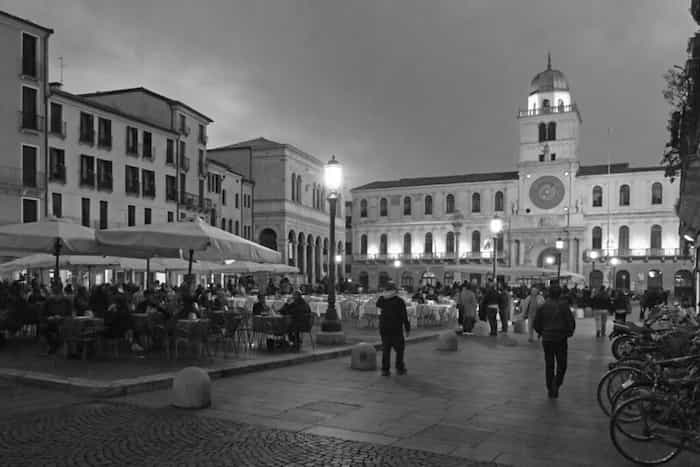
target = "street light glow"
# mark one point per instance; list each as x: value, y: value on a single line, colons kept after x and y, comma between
x: 338, y: 258
x: 614, y: 261
x: 559, y: 244
x: 333, y: 176
x: 593, y: 255
x: 549, y: 260
x: 496, y: 225
x: 397, y: 263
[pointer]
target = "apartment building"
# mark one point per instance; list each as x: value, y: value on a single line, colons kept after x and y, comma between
x: 231, y: 194
x: 23, y: 91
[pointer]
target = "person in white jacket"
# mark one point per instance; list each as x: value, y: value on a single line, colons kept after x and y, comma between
x: 528, y: 307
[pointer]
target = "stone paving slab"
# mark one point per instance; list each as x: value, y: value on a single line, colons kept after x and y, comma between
x: 111, y: 434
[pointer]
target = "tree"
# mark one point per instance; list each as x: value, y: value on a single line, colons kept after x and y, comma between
x: 676, y: 94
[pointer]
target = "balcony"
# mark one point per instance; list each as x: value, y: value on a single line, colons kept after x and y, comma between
x: 184, y: 163
x: 58, y: 174
x: 58, y: 128
x: 203, y: 168
x: 195, y: 203
x: 87, y: 136
x: 147, y: 152
x: 477, y: 256
x: 30, y: 121
x: 636, y: 254
x: 184, y: 130
x: 29, y: 68
x: 547, y: 110
x: 203, y: 139
x: 104, y: 141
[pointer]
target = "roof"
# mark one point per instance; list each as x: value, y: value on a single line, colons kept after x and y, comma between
x: 444, y: 180
x: 549, y: 80
x: 620, y: 168
x: 261, y: 143
x: 107, y: 108
x: 147, y: 91
x: 223, y: 164
x: 22, y: 20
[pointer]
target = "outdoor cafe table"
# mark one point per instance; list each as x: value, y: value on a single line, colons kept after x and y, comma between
x: 271, y: 325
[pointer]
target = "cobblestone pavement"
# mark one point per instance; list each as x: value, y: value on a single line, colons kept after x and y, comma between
x: 117, y: 434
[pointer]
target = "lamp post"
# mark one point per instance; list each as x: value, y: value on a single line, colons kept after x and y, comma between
x: 559, y: 244
x: 613, y: 262
x: 333, y: 175
x: 397, y: 265
x: 496, y: 227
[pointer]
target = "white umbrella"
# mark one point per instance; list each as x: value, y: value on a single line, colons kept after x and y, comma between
x: 210, y: 243
x: 42, y: 260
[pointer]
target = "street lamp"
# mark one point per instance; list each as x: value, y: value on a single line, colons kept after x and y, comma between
x: 333, y: 178
x: 397, y: 265
x: 594, y: 256
x: 559, y: 245
x: 496, y: 227
x: 613, y: 262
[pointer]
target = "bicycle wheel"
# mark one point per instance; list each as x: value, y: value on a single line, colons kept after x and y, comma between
x: 645, y: 440
x: 637, y: 389
x: 622, y: 346
x: 611, y: 382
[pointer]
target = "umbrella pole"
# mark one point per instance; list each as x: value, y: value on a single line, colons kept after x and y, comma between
x: 148, y: 271
x: 189, y: 266
x: 57, y: 253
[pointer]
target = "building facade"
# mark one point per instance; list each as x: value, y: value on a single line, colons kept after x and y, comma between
x: 230, y: 192
x: 291, y: 208
x: 617, y: 222
x: 23, y: 90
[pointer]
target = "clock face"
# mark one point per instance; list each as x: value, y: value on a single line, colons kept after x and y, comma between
x: 546, y: 192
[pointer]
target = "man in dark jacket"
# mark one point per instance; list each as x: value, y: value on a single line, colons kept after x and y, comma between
x: 490, y: 305
x: 555, y: 323
x: 392, y: 322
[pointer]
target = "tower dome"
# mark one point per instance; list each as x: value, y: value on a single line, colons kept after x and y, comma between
x: 549, y: 80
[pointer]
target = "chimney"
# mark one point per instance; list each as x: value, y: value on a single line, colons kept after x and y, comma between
x: 56, y: 86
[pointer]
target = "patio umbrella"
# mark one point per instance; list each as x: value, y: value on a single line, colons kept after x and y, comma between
x: 210, y: 243
x: 43, y: 261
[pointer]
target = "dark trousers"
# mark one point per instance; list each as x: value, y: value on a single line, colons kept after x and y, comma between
x: 491, y: 313
x: 468, y: 323
x: 503, y: 314
x: 398, y: 344
x: 555, y: 350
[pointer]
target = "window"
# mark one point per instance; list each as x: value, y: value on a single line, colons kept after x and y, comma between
x: 131, y: 215
x: 57, y: 204
x: 407, y: 206
x: 597, y: 196
x: 132, y: 180
x: 235, y: 200
x: 348, y: 248
x: 170, y: 152
x: 294, y: 187
x: 202, y: 134
x: 541, y: 157
x: 30, y: 210
x: 103, y: 215
x: 552, y: 157
x: 407, y: 244
x: 147, y: 145
x: 551, y: 131
x: 383, y: 244
x: 476, y: 202
x: 656, y: 193
x: 30, y: 65
x: 428, y: 205
x: 655, y: 242
x: 223, y: 223
x: 30, y: 117
x: 546, y: 106
x: 623, y: 239
x: 183, y: 125
x: 450, y: 243
x: 170, y: 188
x: 104, y: 133
x: 383, y: 208
x: 363, y: 244
x: 476, y: 241
x: 85, y: 211
x: 498, y: 201
x: 223, y: 197
x: 624, y: 195
x: 29, y: 175
x: 236, y: 228
x: 542, y: 132
x: 428, y: 247
x: 597, y: 238
x: 171, y: 216
x: 363, y: 208
x: 146, y: 216
x: 57, y: 125
x: 450, y: 204
x: 230, y: 226
x: 87, y: 171
x: 132, y: 140
x: 104, y: 175
x: 148, y: 183
x: 298, y: 188
x: 87, y: 128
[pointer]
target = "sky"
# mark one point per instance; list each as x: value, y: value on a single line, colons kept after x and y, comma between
x: 393, y: 88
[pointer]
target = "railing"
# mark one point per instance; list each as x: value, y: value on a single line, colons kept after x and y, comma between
x: 30, y: 121
x: 184, y: 130
x: 547, y: 110
x: 87, y: 136
x: 133, y: 187
x: 604, y: 254
x: 58, y: 174
x: 171, y: 195
x: 194, y: 202
x: 29, y: 67
x: 88, y: 180
x: 184, y: 163
x: 147, y: 152
x: 203, y: 168
x: 104, y: 141
x: 133, y: 149
x: 58, y: 128
x: 106, y: 183
x: 203, y: 139
x: 442, y: 256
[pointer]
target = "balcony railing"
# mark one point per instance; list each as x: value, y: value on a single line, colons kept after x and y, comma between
x: 104, y: 141
x: 184, y: 130
x: 203, y: 139
x: 58, y: 174
x: 604, y: 254
x: 147, y: 152
x: 442, y: 256
x: 87, y: 136
x: 547, y: 110
x: 195, y: 203
x: 57, y: 128
x: 184, y: 163
x: 29, y: 67
x: 30, y: 121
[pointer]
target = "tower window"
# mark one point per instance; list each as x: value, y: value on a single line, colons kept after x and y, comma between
x: 551, y: 131
x: 546, y: 106
x: 553, y: 156
x: 542, y: 127
x: 542, y: 157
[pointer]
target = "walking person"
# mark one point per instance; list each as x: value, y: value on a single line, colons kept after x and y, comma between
x: 393, y: 320
x: 530, y: 305
x: 600, y: 303
x: 490, y: 305
x: 504, y: 307
x: 467, y: 298
x: 555, y: 323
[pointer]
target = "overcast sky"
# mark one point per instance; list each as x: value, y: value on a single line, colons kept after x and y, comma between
x: 392, y: 88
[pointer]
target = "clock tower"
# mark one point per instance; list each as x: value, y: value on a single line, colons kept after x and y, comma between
x: 549, y: 144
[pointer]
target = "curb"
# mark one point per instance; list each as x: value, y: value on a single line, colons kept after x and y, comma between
x: 122, y: 387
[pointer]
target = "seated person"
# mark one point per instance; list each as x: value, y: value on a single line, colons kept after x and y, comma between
x: 431, y: 295
x: 261, y: 308
x: 300, y: 312
x: 418, y: 297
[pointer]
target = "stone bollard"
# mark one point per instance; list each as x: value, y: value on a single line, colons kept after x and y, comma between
x: 447, y: 341
x: 481, y: 328
x: 191, y: 389
x: 363, y: 357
